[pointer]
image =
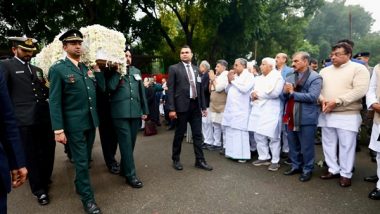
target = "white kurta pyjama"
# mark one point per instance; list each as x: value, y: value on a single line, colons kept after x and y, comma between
x: 265, y: 113
x: 221, y: 82
x: 207, y: 129
x: 374, y: 144
x: 339, y: 130
x: 235, y: 117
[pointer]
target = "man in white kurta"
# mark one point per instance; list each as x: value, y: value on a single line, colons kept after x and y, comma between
x: 218, y: 98
x: 344, y: 85
x: 265, y: 113
x: 235, y: 117
x: 373, y: 102
x: 207, y: 130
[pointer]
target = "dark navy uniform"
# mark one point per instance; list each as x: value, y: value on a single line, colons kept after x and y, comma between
x: 11, y: 152
x: 29, y: 94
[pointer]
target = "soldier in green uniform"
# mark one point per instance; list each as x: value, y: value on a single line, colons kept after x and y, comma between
x: 73, y: 111
x: 128, y: 107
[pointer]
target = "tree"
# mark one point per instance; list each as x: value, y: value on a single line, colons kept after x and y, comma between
x: 370, y: 43
x: 230, y: 28
x: 49, y: 17
x: 331, y: 24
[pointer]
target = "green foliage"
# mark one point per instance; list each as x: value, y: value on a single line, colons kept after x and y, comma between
x: 370, y: 43
x: 331, y: 24
x: 44, y: 19
x: 313, y: 50
x: 285, y: 27
x: 214, y: 29
x: 229, y: 28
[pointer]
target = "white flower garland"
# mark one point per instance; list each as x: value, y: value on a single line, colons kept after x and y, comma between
x: 99, y: 43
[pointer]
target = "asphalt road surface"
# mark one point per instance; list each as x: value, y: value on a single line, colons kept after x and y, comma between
x: 230, y: 188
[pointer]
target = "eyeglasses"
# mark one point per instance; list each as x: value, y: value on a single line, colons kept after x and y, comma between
x: 337, y: 54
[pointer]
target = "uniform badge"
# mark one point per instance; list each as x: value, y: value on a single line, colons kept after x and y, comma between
x: 29, y: 41
x: 199, y: 79
x: 137, y: 77
x: 71, y: 78
x: 39, y: 75
x: 90, y: 74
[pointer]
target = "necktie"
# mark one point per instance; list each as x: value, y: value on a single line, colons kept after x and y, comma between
x: 192, y: 83
x: 30, y: 71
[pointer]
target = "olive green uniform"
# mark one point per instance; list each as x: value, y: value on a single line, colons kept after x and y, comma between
x: 128, y: 104
x: 72, y: 103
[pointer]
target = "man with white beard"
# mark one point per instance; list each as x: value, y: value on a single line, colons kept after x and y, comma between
x: 218, y: 98
x: 235, y: 120
x: 265, y: 113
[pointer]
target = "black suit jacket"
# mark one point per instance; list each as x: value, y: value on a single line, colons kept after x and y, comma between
x: 11, y: 152
x: 206, y: 90
x: 28, y: 92
x: 179, y: 88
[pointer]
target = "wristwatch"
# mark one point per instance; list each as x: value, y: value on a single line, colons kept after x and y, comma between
x: 338, y: 102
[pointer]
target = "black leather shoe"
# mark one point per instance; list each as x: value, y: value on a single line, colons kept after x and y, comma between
x: 203, y: 165
x: 305, y: 177
x: 287, y: 161
x: 204, y: 146
x: 43, y: 199
x: 372, y: 179
x: 92, y: 208
x: 177, y: 165
x: 374, y: 194
x: 284, y: 155
x: 373, y: 159
x: 292, y: 171
x: 114, y: 169
x: 134, y: 182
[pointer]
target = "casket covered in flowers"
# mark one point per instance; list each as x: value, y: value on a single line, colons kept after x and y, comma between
x: 100, y: 45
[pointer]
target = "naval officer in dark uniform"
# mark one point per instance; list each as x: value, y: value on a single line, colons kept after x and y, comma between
x: 73, y: 111
x: 128, y: 107
x: 12, y: 160
x: 29, y: 93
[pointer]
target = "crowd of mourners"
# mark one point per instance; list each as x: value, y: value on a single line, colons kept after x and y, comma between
x: 262, y: 113
x: 278, y: 111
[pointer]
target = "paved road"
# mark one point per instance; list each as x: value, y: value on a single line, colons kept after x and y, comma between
x: 230, y: 188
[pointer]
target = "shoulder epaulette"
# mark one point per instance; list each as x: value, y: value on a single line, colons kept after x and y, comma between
x: 58, y: 62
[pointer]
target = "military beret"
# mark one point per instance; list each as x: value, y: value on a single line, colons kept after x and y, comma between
x: 71, y: 35
x: 25, y: 43
x: 361, y: 54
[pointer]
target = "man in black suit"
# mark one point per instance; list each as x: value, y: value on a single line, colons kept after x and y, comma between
x: 29, y: 94
x: 186, y: 103
x: 12, y: 161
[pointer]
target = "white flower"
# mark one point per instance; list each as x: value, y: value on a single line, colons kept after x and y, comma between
x: 99, y: 42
